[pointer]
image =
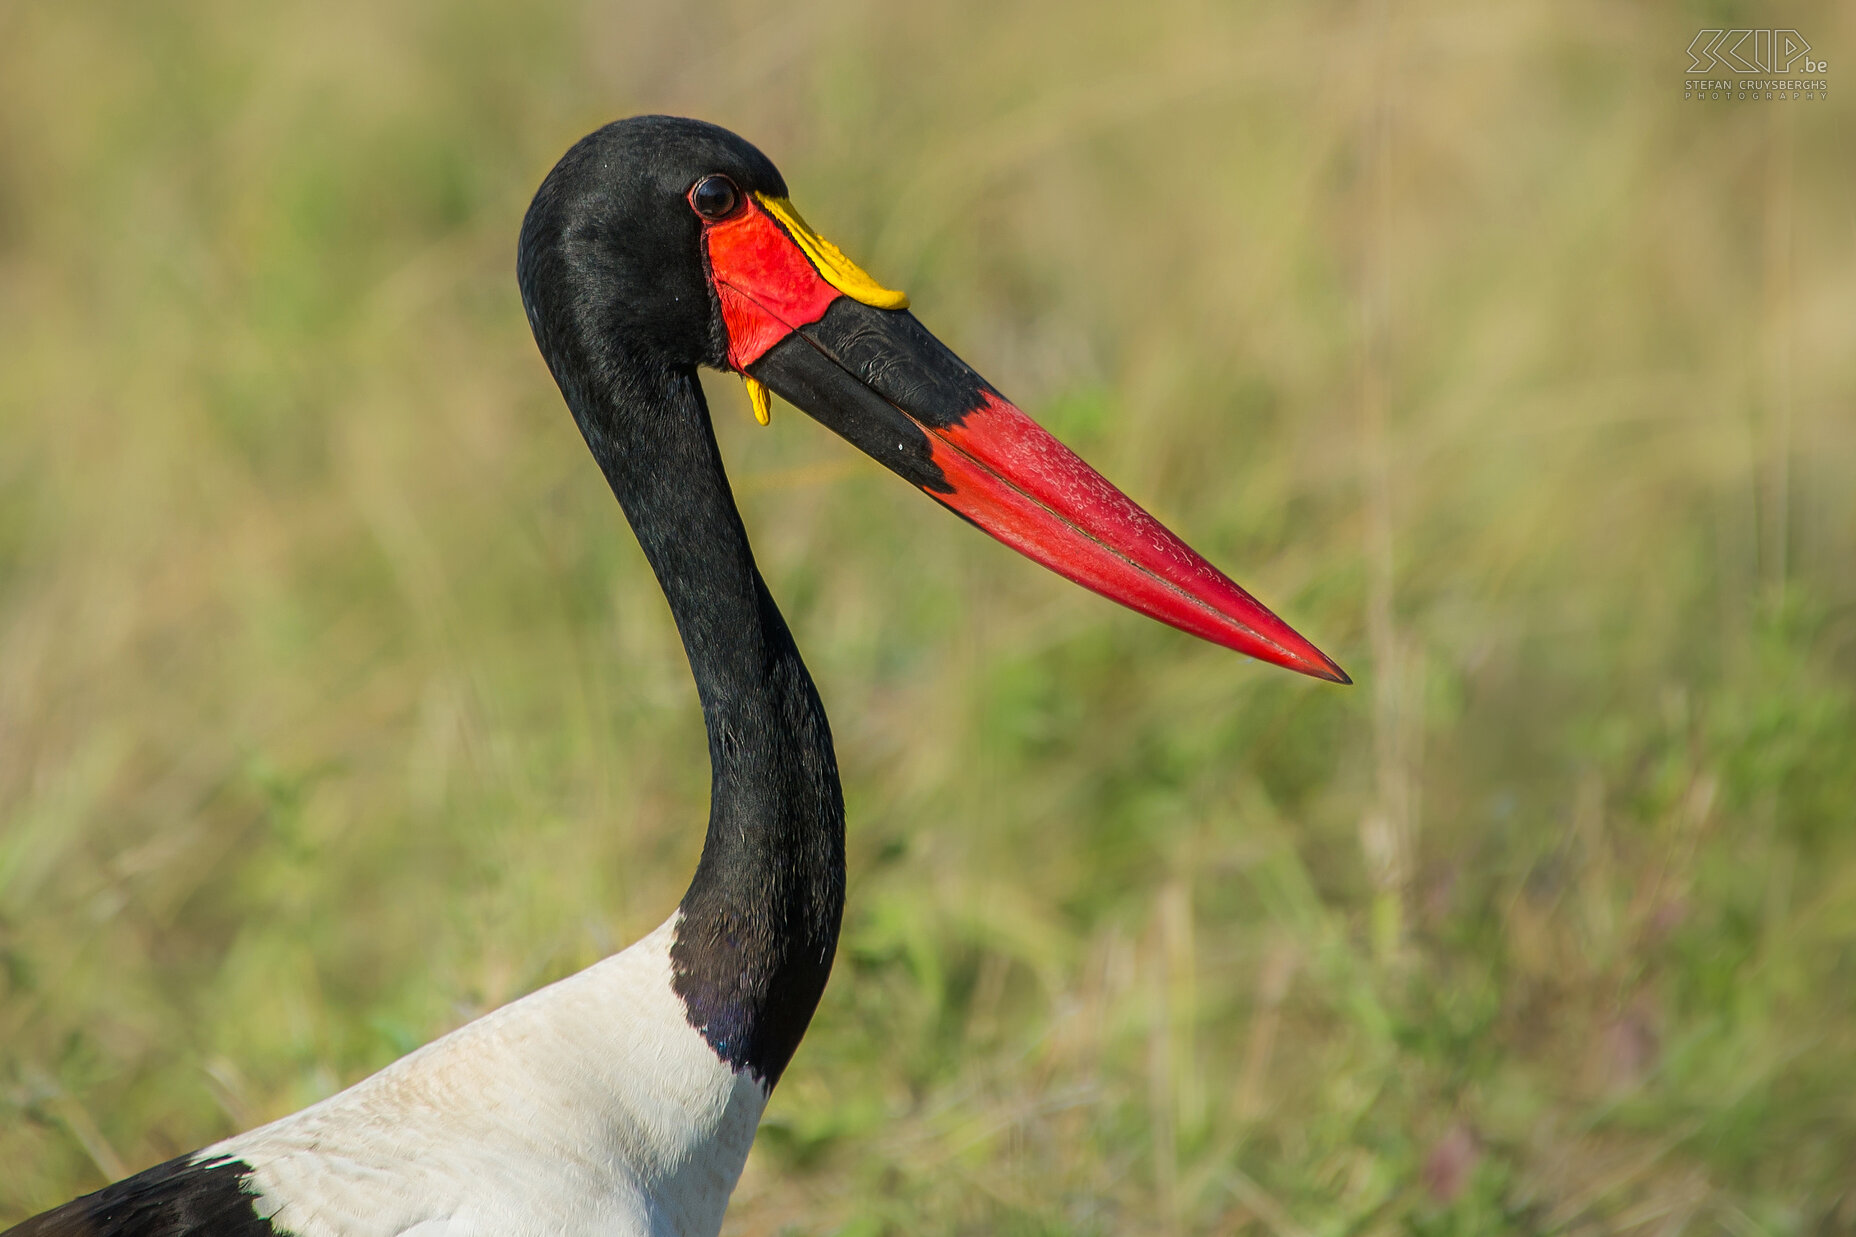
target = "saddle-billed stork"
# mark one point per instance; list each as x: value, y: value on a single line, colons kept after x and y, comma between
x: 622, y: 1100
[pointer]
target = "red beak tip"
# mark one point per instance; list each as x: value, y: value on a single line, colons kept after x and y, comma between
x: 1334, y: 674
x: 1310, y: 661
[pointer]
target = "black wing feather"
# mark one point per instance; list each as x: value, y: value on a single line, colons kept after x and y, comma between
x: 181, y: 1197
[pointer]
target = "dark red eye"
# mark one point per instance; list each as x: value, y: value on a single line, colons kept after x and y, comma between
x: 715, y: 197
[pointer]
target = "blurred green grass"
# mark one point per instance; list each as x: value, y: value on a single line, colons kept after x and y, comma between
x: 336, y: 704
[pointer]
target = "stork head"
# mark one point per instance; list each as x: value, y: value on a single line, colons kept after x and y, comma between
x: 659, y: 244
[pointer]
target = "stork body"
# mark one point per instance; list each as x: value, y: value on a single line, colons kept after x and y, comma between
x: 622, y: 1101
x: 590, y: 1106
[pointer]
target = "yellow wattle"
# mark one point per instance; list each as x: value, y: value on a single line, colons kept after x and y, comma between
x: 761, y: 398
x: 836, y: 269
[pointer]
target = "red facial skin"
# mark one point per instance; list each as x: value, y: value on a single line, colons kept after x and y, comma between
x: 767, y: 285
x: 1011, y: 477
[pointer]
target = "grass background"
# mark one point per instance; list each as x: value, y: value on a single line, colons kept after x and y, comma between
x: 337, y: 706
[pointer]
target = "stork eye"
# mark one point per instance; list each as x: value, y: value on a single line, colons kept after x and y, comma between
x: 715, y: 197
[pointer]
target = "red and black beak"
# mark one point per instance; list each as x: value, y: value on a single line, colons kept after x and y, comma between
x: 806, y: 322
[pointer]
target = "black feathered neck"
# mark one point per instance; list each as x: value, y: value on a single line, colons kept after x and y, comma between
x: 760, y: 920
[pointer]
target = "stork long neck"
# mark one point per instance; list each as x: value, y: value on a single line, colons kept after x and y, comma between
x: 759, y: 923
